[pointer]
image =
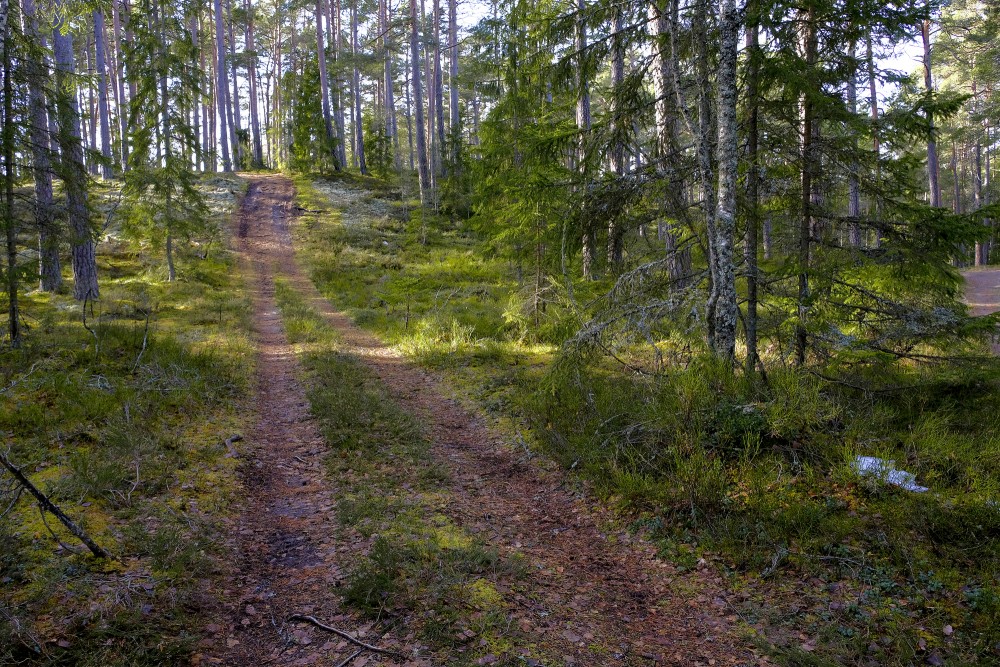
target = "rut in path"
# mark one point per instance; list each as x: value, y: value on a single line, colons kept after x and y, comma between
x: 595, y: 601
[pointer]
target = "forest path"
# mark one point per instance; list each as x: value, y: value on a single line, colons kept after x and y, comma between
x: 597, y: 596
x: 982, y: 290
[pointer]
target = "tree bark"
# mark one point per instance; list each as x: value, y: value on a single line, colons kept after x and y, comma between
x: 583, y: 128
x: 933, y: 170
x: 221, y: 98
x: 72, y: 169
x: 618, y: 166
x: 358, y: 124
x: 102, y: 91
x: 724, y: 282
x: 324, y: 86
x: 391, y: 127
x: 439, y: 86
x: 421, y: 147
x: 49, y: 266
x: 810, y: 48
x: 456, y: 120
x: 122, y: 102
x: 853, y: 187
x: 7, y: 139
x: 258, y: 151
x: 753, y: 187
x: 237, y: 120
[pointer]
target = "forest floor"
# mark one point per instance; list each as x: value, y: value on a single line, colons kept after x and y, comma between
x: 446, y: 544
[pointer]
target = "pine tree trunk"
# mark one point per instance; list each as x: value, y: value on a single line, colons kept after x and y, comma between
x: 853, y: 187
x: 933, y: 170
x: 8, y: 219
x: 91, y: 109
x: 49, y: 267
x: 102, y: 91
x: 358, y: 125
x: 409, y: 117
x: 418, y: 96
x: 221, y: 86
x: 335, y: 21
x: 724, y: 282
x: 74, y: 173
x: 391, y: 128
x: 456, y: 119
x: 237, y: 121
x: 252, y: 76
x: 617, y: 152
x: 196, y: 107
x: 982, y: 254
x: 876, y: 210
x: 753, y: 187
x: 438, y: 87
x: 324, y: 87
x: 121, y: 106
x: 810, y: 47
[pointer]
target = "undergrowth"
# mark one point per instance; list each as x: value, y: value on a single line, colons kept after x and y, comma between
x: 119, y: 412
x: 412, y: 565
x: 825, y: 567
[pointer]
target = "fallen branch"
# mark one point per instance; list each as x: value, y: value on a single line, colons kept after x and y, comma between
x: 349, y: 659
x: 236, y: 437
x: 340, y: 633
x: 45, y: 504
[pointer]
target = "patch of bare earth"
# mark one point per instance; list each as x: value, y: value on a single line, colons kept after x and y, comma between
x: 593, y: 595
x: 982, y: 294
x: 286, y: 553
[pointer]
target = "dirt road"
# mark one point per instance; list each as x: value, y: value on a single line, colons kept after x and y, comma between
x: 982, y: 290
x: 599, y: 596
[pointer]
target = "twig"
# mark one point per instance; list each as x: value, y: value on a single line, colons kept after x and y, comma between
x: 349, y: 659
x: 45, y: 523
x: 145, y: 341
x: 21, y: 379
x: 47, y: 505
x: 236, y: 437
x: 340, y: 633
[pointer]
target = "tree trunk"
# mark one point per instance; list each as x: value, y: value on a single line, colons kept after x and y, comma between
x: 853, y: 188
x: 724, y: 282
x: 252, y: 74
x: 49, y: 267
x: 456, y: 120
x: 221, y: 87
x: 933, y: 170
x: 72, y: 169
x: 810, y: 47
x: 324, y: 87
x: 122, y: 102
x: 876, y: 211
x: 438, y: 85
x: 583, y: 127
x: 418, y: 96
x: 753, y: 186
x: 102, y: 91
x: 706, y: 169
x: 237, y: 121
x: 9, y: 220
x: 615, y: 232
x: 358, y: 125
x: 391, y: 128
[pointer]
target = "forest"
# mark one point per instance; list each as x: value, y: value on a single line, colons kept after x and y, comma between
x: 499, y: 332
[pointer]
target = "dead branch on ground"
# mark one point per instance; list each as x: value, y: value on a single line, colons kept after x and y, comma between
x: 340, y: 633
x: 47, y: 505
